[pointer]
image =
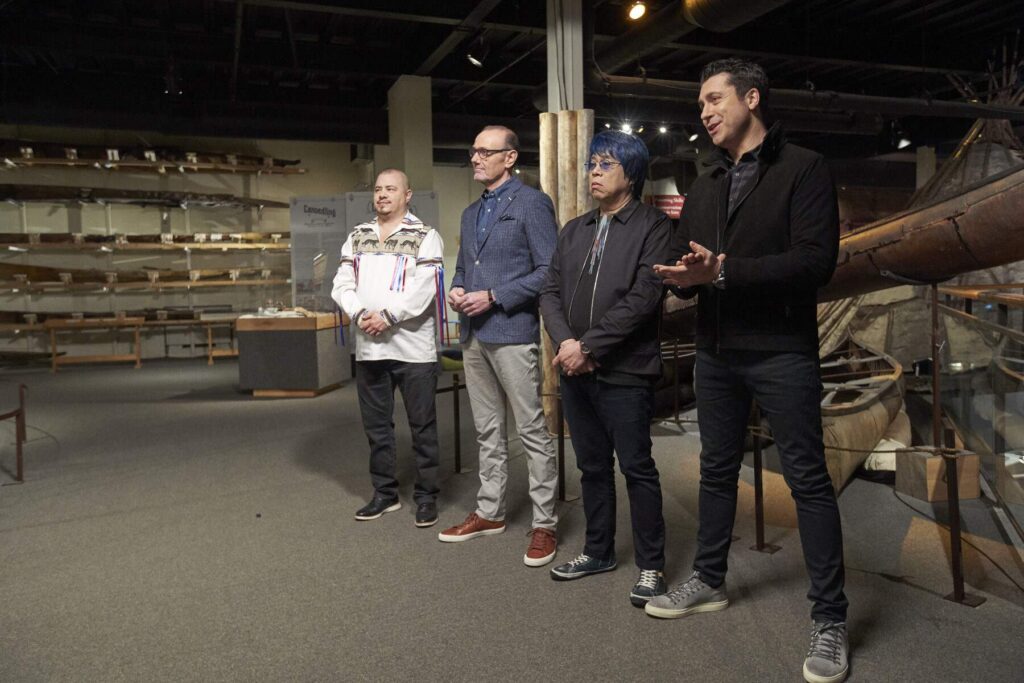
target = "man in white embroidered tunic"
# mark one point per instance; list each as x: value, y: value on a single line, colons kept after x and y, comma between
x: 387, y: 283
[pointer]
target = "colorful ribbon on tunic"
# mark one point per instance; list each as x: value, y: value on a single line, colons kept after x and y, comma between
x: 442, y: 309
x: 398, y: 275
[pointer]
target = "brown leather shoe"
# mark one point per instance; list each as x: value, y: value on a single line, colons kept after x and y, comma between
x: 474, y: 526
x: 542, y: 547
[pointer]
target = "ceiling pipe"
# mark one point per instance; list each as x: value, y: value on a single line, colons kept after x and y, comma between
x: 818, y: 100
x: 669, y: 111
x: 725, y: 15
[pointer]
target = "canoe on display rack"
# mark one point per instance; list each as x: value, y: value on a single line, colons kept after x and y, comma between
x: 57, y: 194
x: 62, y: 241
x: 31, y: 154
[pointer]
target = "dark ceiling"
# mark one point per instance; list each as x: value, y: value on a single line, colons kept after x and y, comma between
x: 321, y: 70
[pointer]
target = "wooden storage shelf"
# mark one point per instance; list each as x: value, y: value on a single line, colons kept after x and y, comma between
x: 61, y: 288
x: 134, y: 323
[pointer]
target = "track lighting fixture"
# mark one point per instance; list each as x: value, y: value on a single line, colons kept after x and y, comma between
x: 478, y: 51
x: 637, y: 10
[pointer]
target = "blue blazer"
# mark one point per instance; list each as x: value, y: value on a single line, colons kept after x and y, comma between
x: 512, y: 261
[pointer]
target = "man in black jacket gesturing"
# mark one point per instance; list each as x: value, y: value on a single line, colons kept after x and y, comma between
x: 759, y: 235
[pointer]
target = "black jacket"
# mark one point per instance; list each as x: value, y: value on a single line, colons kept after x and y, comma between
x: 780, y: 244
x: 627, y: 296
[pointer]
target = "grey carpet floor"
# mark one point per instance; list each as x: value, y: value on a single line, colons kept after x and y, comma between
x: 174, y: 529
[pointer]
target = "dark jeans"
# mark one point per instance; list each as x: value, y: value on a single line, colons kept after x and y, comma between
x: 787, y: 387
x: 375, y: 384
x: 604, y: 418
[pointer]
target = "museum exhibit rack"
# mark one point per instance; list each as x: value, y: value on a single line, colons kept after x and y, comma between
x: 121, y: 273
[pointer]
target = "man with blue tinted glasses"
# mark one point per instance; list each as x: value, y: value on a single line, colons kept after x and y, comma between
x: 602, y: 307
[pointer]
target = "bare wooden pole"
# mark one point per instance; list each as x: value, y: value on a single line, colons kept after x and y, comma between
x: 549, y: 184
x: 567, y: 167
x: 584, y: 133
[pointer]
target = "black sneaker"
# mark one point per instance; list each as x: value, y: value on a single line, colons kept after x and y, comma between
x: 650, y: 584
x: 377, y: 507
x: 426, y: 514
x: 582, y: 565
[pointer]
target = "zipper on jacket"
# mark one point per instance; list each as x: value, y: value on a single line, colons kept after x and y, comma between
x: 718, y: 292
x: 593, y: 294
x: 572, y: 299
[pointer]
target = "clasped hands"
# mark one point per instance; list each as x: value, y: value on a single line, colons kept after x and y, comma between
x: 571, y: 359
x: 471, y: 304
x: 699, y: 267
x: 372, y: 323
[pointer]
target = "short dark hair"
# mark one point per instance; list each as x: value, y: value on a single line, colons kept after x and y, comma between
x: 628, y: 150
x: 511, y: 139
x: 743, y: 75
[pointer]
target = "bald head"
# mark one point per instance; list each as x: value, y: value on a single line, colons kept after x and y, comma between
x: 397, y: 172
x: 511, y: 140
x: 391, y: 195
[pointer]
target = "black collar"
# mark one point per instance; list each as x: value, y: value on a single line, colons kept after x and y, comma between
x: 766, y: 153
x: 622, y: 215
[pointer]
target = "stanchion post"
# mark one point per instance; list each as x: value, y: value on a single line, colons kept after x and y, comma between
x: 19, y: 434
x: 949, y: 457
x: 759, y: 544
x: 561, y: 449
x: 936, y: 395
x: 675, y: 380
x: 456, y: 423
x: 955, y: 548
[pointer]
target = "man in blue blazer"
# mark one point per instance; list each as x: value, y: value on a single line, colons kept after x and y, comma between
x: 507, y: 238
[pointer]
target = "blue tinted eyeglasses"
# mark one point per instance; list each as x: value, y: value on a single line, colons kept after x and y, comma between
x: 604, y: 164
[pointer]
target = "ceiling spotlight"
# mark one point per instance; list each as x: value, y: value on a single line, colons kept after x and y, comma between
x: 478, y: 51
x: 903, y: 143
x: 637, y: 10
x: 640, y: 129
x: 607, y: 125
x: 662, y: 129
x: 626, y: 128
x: 693, y: 137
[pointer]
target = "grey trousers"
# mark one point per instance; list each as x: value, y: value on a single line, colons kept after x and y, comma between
x: 499, y: 376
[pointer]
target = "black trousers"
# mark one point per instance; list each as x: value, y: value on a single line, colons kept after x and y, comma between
x: 787, y: 387
x: 605, y: 418
x: 375, y: 384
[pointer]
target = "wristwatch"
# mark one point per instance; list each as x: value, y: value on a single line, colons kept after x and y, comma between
x: 490, y: 296
x: 719, y: 281
x: 583, y: 349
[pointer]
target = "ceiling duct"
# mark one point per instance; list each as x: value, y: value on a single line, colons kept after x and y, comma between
x: 678, y: 19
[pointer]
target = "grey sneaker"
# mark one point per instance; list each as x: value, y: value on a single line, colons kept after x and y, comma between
x: 827, y: 659
x: 650, y: 583
x: 690, y: 597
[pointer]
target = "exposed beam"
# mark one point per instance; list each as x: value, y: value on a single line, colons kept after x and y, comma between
x: 291, y: 38
x: 829, y: 61
x: 240, y: 8
x: 465, y: 29
x: 386, y: 15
